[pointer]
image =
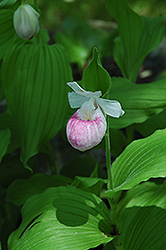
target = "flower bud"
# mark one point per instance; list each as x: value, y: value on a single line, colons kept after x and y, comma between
x: 85, y: 134
x: 26, y: 21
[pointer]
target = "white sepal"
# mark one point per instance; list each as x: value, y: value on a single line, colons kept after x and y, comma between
x: 81, y: 91
x: 74, y: 86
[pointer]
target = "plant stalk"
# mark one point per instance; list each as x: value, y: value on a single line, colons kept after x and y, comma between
x: 35, y: 4
x: 108, y: 157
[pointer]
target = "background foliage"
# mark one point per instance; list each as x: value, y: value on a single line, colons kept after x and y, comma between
x: 50, y: 194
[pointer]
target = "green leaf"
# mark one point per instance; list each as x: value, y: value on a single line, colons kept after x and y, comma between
x: 142, y: 218
x: 42, y: 37
x: 6, y: 121
x: 139, y: 101
x: 4, y: 142
x: 6, y: 31
x: 140, y: 161
x: 144, y: 195
x: 21, y: 190
x: 11, y: 168
x: 36, y: 92
x: 95, y: 77
x: 118, y: 141
x: 143, y: 228
x: 92, y: 185
x: 10, y: 220
x: 6, y: 3
x: 152, y: 124
x: 62, y: 218
x: 138, y: 36
x: 82, y: 166
x: 109, y: 246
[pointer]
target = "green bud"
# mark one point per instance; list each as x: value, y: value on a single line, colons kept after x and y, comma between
x: 25, y: 21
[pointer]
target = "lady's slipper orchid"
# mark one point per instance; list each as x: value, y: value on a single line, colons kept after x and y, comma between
x: 25, y: 21
x: 86, y: 128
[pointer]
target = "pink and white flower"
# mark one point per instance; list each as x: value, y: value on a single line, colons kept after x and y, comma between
x: 87, y: 127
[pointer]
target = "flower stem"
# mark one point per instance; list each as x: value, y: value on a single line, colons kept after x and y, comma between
x: 108, y: 157
x: 114, y: 198
x: 35, y: 3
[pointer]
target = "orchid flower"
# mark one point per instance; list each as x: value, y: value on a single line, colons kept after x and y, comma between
x: 86, y: 128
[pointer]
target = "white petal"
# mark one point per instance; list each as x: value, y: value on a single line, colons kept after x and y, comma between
x: 110, y: 107
x: 87, y: 110
x: 81, y: 91
x: 76, y: 100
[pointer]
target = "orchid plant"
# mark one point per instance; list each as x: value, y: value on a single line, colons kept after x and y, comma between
x: 113, y: 195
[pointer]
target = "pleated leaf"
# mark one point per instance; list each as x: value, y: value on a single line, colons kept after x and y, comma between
x: 95, y: 77
x: 140, y: 161
x: 152, y: 124
x: 36, y: 92
x: 142, y: 218
x: 6, y: 30
x: 143, y: 195
x: 11, y: 168
x: 139, y: 101
x: 62, y: 218
x: 21, y: 190
x: 4, y: 142
x: 4, y: 3
x: 6, y: 121
x: 92, y: 185
x: 138, y: 36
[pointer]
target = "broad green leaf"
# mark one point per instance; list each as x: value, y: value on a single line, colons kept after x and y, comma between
x: 95, y: 77
x: 4, y: 142
x: 138, y: 36
x: 82, y: 166
x: 36, y: 92
x: 109, y: 246
x: 41, y: 37
x: 1, y: 94
x: 46, y: 152
x: 118, y: 141
x: 6, y: 31
x: 143, y: 228
x: 21, y: 190
x: 142, y: 218
x: 10, y: 221
x: 62, y: 218
x: 11, y: 168
x: 6, y: 121
x: 143, y: 195
x: 152, y: 124
x: 5, y: 3
x: 139, y: 101
x: 92, y: 185
x: 140, y: 161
